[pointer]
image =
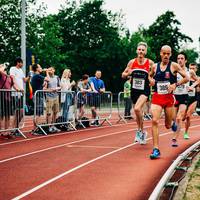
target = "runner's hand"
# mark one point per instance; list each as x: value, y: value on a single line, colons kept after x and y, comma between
x: 171, y: 88
x: 151, y: 82
x: 190, y: 88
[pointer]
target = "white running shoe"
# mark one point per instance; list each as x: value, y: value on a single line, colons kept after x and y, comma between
x: 138, y: 136
x: 56, y: 129
x: 143, y: 138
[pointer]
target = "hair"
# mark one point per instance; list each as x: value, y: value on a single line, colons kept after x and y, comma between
x: 85, y: 77
x: 18, y: 60
x: 65, y: 73
x: 166, y: 47
x: 143, y: 44
x: 183, y: 53
x: 50, y: 66
x: 193, y: 64
x: 34, y: 67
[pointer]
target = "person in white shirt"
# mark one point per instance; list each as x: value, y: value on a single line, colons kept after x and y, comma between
x: 19, y: 79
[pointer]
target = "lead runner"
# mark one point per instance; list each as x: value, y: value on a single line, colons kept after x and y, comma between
x: 139, y: 68
x: 164, y: 80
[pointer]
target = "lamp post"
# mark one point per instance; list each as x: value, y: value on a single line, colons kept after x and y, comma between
x: 23, y: 33
x: 199, y: 50
x: 23, y: 40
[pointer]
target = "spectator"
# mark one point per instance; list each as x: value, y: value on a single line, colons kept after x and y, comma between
x: 98, y: 87
x: 127, y: 98
x: 19, y: 79
x: 52, y: 98
x: 83, y: 87
x: 66, y: 98
x: 37, y: 83
x: 6, y: 83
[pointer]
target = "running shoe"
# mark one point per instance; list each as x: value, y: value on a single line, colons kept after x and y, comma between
x: 174, y: 126
x: 93, y: 123
x: 174, y: 143
x: 186, y: 136
x: 138, y: 136
x: 145, y: 118
x: 143, y: 137
x: 155, y: 154
x: 97, y: 122
x: 51, y: 130
x: 9, y: 136
x: 55, y: 129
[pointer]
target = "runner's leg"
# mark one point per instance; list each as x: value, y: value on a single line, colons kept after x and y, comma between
x: 169, y: 116
x: 179, y: 118
x: 156, y: 111
x: 189, y: 113
x: 139, y: 111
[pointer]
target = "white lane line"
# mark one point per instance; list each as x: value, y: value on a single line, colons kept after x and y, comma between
x: 65, y: 144
x: 77, y: 131
x: 81, y: 166
x: 66, y: 133
x: 90, y: 146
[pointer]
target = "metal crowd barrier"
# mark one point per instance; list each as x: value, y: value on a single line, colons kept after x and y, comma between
x: 101, y: 101
x: 54, y: 111
x: 11, y: 112
x: 123, y: 104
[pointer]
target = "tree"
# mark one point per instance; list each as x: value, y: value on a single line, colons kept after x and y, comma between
x: 49, y: 43
x: 192, y: 55
x: 92, y: 40
x: 10, y: 27
x: 165, y: 31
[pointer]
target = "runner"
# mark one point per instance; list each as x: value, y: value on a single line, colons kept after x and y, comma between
x: 192, y: 99
x: 181, y: 95
x: 139, y: 69
x: 164, y: 79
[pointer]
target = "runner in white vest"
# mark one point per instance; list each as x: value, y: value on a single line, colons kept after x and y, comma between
x: 181, y: 95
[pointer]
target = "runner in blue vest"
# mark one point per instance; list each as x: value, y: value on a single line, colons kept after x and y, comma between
x: 164, y: 80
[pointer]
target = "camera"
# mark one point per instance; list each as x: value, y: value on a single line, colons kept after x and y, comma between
x: 6, y: 64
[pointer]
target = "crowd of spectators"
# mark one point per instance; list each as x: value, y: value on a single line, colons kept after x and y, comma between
x: 50, y: 93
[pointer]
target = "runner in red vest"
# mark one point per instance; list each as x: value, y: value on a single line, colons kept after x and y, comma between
x: 139, y: 68
x: 164, y: 80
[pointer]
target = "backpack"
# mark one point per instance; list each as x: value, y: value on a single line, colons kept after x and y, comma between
x: 85, y: 121
x: 64, y: 126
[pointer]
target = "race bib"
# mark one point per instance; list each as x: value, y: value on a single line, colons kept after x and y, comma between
x: 162, y: 87
x: 191, y: 93
x: 138, y: 83
x: 181, y: 89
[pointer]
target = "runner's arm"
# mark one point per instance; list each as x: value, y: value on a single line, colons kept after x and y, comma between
x: 178, y: 69
x: 182, y: 72
x: 195, y: 77
x: 127, y: 70
x: 151, y: 74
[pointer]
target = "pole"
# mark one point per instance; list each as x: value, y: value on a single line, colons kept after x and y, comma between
x: 23, y: 40
x: 23, y: 33
x: 199, y: 50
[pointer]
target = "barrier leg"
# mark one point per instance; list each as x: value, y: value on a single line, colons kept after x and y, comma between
x: 40, y: 127
x: 21, y: 133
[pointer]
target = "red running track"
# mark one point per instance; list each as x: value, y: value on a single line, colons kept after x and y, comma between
x: 98, y: 163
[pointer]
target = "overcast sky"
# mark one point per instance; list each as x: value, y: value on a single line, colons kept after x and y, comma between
x: 145, y: 12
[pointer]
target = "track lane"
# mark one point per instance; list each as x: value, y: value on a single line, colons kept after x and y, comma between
x: 28, y: 167
x: 128, y: 174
